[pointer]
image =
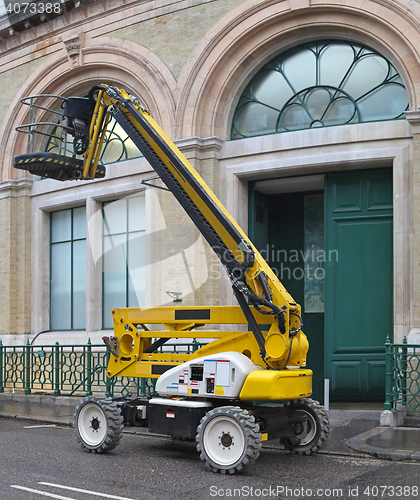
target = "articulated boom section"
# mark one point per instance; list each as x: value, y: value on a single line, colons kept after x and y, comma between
x: 252, y: 279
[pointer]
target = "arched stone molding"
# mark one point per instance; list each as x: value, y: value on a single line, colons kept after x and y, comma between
x: 105, y: 60
x: 254, y: 32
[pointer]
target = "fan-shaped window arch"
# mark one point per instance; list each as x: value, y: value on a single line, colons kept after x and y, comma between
x: 320, y: 84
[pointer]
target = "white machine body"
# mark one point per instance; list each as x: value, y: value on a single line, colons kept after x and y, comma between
x: 217, y: 376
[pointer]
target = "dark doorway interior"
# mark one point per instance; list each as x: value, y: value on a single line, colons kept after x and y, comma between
x: 289, y: 232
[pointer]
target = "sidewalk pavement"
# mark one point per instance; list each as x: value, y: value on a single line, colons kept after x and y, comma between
x: 355, y: 428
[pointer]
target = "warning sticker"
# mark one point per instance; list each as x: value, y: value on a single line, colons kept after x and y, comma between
x: 222, y: 373
x: 210, y: 366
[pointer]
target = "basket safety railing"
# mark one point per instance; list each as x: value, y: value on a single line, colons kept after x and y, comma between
x: 402, y: 388
x: 53, y: 124
x: 69, y: 369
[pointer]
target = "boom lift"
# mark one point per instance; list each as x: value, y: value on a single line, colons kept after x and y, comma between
x: 238, y: 390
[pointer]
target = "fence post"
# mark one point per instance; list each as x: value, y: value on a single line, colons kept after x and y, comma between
x: 142, y: 387
x: 1, y: 367
x: 388, y: 371
x: 57, y: 369
x: 89, y: 368
x: 108, y: 380
x: 404, y: 371
x: 27, y: 365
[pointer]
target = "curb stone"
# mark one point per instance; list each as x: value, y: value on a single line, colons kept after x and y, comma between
x: 359, y: 443
x: 41, y: 399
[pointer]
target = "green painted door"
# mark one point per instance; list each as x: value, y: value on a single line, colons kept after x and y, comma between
x: 358, y: 282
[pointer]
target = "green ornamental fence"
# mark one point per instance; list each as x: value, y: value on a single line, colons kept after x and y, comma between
x: 402, y: 391
x: 69, y: 369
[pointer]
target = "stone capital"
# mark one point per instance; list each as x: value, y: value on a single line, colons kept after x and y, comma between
x: 413, y: 118
x: 15, y: 188
x: 208, y: 147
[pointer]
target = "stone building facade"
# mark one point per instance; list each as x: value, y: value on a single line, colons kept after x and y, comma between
x: 190, y: 62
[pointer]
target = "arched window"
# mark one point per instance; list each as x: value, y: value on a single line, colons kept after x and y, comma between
x: 320, y: 84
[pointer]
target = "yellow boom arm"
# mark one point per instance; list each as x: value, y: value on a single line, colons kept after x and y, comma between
x: 262, y: 298
x: 252, y: 278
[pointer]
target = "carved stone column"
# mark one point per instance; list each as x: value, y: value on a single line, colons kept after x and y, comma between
x: 413, y: 118
x: 15, y: 257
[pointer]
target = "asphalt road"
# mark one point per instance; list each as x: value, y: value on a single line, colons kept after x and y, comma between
x: 40, y: 462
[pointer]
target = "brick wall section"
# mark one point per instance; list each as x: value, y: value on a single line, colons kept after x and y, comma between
x: 209, y: 293
x: 6, y: 245
x: 170, y: 270
x: 15, y: 258
x: 181, y: 234
x: 12, y: 80
x: 23, y: 264
x: 175, y: 35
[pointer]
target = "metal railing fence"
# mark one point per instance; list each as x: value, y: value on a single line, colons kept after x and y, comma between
x: 402, y: 389
x: 68, y: 369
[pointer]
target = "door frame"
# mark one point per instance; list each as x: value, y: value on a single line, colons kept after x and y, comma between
x: 385, y: 144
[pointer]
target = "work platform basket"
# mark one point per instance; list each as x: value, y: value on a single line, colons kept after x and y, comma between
x: 53, y: 142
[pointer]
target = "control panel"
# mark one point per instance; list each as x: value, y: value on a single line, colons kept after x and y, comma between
x: 221, y: 375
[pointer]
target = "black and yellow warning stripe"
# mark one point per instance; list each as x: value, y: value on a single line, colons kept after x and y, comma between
x: 53, y: 166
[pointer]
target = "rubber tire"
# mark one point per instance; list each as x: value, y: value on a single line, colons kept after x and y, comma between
x: 321, y: 429
x: 241, y: 421
x: 106, y: 414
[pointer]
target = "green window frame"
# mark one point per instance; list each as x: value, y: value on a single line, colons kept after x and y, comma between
x: 123, y: 263
x: 68, y: 269
x: 320, y: 84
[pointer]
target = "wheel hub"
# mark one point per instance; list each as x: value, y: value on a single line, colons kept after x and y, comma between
x: 304, y: 428
x: 301, y: 428
x: 226, y: 440
x: 95, y: 424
